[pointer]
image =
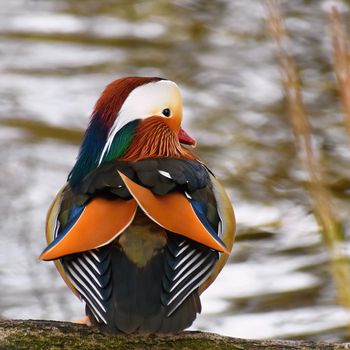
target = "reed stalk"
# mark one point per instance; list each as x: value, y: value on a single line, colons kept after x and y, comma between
x: 320, y: 197
x: 341, y: 61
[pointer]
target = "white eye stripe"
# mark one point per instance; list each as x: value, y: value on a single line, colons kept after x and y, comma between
x: 143, y: 102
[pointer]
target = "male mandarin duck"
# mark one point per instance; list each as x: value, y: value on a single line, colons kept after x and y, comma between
x: 142, y: 227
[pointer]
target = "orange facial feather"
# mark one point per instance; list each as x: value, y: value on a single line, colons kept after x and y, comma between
x: 154, y: 139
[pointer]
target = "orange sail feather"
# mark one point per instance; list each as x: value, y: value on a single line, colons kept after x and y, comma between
x: 173, y: 212
x: 101, y: 221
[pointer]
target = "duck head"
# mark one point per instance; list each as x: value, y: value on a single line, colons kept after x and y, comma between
x: 135, y: 118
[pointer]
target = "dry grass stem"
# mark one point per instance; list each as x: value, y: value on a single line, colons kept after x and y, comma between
x: 341, y: 58
x: 319, y: 194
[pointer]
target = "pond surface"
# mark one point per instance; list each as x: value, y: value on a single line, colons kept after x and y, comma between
x: 55, y: 59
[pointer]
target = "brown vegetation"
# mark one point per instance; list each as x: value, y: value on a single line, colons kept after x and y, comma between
x: 320, y: 197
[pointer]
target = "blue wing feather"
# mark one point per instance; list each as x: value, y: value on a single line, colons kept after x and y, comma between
x: 74, y: 215
x: 201, y: 208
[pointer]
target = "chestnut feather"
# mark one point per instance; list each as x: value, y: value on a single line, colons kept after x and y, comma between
x: 154, y: 139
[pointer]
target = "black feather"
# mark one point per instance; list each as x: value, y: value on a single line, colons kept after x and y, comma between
x: 132, y: 299
x: 185, y: 175
x: 160, y: 296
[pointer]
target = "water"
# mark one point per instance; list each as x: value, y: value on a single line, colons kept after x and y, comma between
x: 55, y: 59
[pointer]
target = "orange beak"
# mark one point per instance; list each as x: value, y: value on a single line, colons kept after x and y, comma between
x: 185, y: 138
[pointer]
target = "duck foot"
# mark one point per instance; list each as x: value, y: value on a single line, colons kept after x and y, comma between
x: 85, y: 320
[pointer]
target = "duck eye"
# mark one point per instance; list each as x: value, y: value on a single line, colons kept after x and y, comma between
x: 166, y: 112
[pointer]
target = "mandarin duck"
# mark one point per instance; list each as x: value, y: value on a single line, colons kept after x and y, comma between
x: 142, y: 227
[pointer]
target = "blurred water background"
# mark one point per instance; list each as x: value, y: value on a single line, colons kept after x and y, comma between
x: 55, y: 59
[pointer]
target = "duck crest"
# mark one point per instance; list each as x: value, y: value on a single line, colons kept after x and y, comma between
x: 114, y: 95
x: 103, y: 116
